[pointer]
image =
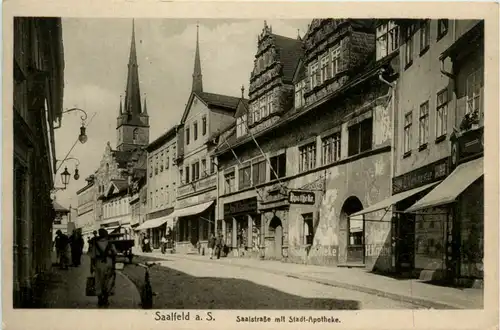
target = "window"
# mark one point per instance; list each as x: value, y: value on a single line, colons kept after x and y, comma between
x: 187, y: 174
x: 229, y: 182
x: 151, y: 200
x: 423, y: 124
x: 256, y: 112
x: 212, y: 165
x: 442, y: 27
x: 330, y: 146
x: 156, y: 164
x: 308, y: 229
x: 424, y: 35
x: 161, y: 162
x: 360, y: 137
x: 195, y: 171
x: 187, y: 135
x: 387, y: 39
x: 162, y: 198
x: 135, y: 135
x: 307, y: 157
x: 181, y: 175
x: 314, y: 74
x: 204, y: 125
x: 335, y: 60
x: 150, y: 168
x: 278, y: 166
x: 167, y: 162
x: 259, y: 172
x: 325, y: 69
x: 270, y: 108
x: 263, y: 107
x: 241, y: 126
x: 203, y: 168
x: 407, y: 133
x: 408, y: 46
x: 195, y: 130
x: 299, y: 95
x: 442, y: 113
x: 244, y: 177
x: 474, y: 81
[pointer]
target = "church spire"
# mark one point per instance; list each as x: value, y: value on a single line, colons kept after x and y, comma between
x: 132, y: 93
x: 121, y: 108
x: 145, y: 108
x: 197, y: 76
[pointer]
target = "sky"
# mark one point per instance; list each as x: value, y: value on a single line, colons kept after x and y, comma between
x: 96, y: 52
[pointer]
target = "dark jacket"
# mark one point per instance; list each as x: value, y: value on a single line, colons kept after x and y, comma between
x: 218, y: 241
x: 212, y: 242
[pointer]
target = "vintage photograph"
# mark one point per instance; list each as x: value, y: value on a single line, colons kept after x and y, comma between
x: 248, y: 164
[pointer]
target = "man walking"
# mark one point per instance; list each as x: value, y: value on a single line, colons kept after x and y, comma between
x: 62, y: 246
x: 218, y: 245
x: 163, y: 244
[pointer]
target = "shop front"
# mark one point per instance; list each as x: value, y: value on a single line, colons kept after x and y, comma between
x: 242, y: 227
x: 157, y: 225
x: 453, y: 214
x: 195, y: 221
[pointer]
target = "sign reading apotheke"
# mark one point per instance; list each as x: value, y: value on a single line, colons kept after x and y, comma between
x: 301, y: 197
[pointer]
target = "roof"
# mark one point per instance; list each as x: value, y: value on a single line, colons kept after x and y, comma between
x: 158, y: 142
x: 290, y: 51
x: 219, y: 100
x: 123, y: 157
x: 242, y: 108
x: 59, y: 208
x: 120, y: 184
x: 471, y: 39
x: 300, y: 72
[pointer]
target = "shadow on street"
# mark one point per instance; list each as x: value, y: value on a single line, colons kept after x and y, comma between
x: 178, y: 290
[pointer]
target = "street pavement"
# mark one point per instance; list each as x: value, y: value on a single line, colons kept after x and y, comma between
x: 66, y: 289
x: 181, y: 283
x: 409, y: 291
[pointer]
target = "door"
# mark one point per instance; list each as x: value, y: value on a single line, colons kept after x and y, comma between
x: 278, y: 242
x: 194, y: 231
x: 405, y: 243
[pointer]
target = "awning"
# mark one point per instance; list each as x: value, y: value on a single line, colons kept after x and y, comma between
x: 454, y: 184
x: 191, y: 210
x: 394, y: 199
x: 111, y: 229
x: 155, y: 223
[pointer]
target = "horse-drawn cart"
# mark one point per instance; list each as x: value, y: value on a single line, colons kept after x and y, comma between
x: 122, y: 245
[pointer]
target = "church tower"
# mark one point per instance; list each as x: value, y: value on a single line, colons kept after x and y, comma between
x: 197, y: 76
x: 132, y: 127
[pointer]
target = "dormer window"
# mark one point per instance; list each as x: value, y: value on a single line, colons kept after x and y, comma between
x: 313, y: 73
x: 387, y: 39
x: 299, y: 94
x: 241, y: 126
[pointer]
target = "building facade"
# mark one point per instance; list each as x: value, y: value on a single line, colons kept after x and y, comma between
x: 205, y: 115
x: 38, y: 85
x: 449, y: 220
x: 60, y: 220
x: 162, y: 178
x: 86, y: 208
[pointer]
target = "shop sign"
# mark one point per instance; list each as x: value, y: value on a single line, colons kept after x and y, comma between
x: 470, y: 143
x: 421, y: 176
x: 194, y: 200
x: 301, y: 197
x: 248, y: 205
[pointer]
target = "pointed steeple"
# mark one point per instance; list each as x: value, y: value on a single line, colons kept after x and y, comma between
x: 197, y: 76
x: 145, y: 108
x: 133, y: 93
x: 121, y: 107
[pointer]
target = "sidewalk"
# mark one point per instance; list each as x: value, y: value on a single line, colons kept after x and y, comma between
x: 66, y: 289
x: 412, y: 291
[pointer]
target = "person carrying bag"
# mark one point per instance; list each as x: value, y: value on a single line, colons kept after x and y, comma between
x: 104, y: 259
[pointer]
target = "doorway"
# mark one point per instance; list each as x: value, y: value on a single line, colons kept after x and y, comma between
x: 354, y: 233
x: 276, y: 230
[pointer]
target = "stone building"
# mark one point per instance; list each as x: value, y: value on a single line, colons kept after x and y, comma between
x: 205, y: 115
x: 325, y: 158
x: 38, y: 85
x: 448, y: 235
x: 270, y: 97
x: 118, y: 167
x: 60, y: 220
x: 162, y: 178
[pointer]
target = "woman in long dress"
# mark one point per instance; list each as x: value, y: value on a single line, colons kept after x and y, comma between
x: 103, y: 255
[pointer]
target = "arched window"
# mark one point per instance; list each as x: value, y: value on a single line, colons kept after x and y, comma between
x: 135, y: 134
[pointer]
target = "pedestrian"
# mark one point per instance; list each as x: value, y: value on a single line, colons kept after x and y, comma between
x: 62, y: 246
x: 91, y: 244
x: 163, y: 244
x: 104, y: 255
x: 218, y: 245
x: 76, y: 242
x: 211, y: 245
x: 147, y: 247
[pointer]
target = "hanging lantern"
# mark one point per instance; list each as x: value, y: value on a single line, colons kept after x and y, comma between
x: 65, y: 176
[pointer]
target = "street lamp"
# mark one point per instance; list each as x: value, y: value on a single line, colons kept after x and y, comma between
x: 65, y: 177
x: 83, y: 136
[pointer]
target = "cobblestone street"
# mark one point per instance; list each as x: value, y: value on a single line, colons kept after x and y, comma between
x: 186, y: 284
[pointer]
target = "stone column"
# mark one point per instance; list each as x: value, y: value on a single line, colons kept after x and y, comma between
x: 250, y: 232
x: 284, y: 223
x: 262, y: 235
